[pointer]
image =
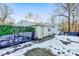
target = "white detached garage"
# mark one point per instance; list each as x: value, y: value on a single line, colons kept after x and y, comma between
x: 43, y: 30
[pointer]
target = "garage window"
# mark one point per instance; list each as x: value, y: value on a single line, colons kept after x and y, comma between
x: 49, y: 29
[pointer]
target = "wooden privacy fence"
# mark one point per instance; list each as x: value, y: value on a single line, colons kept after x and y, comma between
x: 16, y: 36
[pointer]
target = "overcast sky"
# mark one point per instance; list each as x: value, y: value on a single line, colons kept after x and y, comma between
x: 21, y: 9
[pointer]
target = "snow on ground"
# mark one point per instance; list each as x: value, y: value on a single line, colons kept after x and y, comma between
x: 12, y: 49
x: 73, y: 38
x: 57, y: 46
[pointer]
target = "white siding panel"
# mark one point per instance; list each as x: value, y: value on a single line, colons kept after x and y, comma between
x: 43, y: 31
x: 39, y: 32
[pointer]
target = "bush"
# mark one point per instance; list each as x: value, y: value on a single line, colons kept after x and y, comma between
x: 8, y: 29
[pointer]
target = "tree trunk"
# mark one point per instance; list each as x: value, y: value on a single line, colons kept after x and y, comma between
x: 75, y: 25
x: 68, y: 17
x: 69, y: 24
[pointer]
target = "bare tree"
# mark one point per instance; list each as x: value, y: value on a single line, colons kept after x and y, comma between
x: 32, y: 17
x: 66, y: 10
x: 29, y: 15
x: 5, y: 12
x: 52, y: 19
x: 75, y: 15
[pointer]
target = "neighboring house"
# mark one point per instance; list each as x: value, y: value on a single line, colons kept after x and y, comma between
x: 41, y: 30
x: 25, y: 23
x: 9, y: 21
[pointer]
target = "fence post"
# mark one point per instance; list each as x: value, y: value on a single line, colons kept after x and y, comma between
x: 32, y: 36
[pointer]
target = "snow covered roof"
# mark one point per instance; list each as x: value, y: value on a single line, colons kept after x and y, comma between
x: 25, y: 23
x: 28, y: 23
x: 44, y: 24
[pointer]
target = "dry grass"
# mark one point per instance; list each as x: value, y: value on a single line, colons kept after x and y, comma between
x: 73, y: 27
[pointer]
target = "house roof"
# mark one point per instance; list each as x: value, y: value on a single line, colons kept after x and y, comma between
x: 28, y: 23
x: 25, y: 23
x: 43, y: 25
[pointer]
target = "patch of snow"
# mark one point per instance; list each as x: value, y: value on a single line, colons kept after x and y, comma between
x: 73, y: 38
x: 10, y: 49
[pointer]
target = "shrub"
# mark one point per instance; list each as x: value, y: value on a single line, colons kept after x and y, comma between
x: 8, y: 29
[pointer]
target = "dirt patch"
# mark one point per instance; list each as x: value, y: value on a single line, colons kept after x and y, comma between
x: 39, y: 52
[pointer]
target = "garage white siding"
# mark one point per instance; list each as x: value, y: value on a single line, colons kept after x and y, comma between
x: 43, y: 31
x: 39, y: 32
x: 48, y: 31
